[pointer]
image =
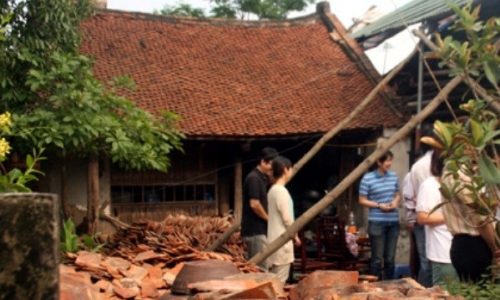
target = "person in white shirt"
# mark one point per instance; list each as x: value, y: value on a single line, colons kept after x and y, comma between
x: 419, y: 172
x: 281, y: 216
x: 409, y: 203
x: 409, y: 196
x: 437, y: 236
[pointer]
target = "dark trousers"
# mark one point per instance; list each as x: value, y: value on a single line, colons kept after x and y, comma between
x: 471, y: 257
x: 383, y: 240
x: 425, y: 270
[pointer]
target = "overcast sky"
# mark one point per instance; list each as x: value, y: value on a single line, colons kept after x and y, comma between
x: 384, y: 57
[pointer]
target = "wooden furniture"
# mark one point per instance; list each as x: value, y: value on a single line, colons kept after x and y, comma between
x: 364, y: 248
x: 305, y: 264
x: 334, y: 246
x: 331, y: 249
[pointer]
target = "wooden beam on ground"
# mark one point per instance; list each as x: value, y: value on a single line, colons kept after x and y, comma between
x: 115, y: 222
x: 355, y: 174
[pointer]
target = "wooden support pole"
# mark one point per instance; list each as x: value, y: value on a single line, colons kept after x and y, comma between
x: 64, y: 186
x: 93, y: 195
x: 355, y: 174
x: 330, y: 134
x: 238, y: 189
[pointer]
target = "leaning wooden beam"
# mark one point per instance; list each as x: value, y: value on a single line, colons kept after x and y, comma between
x: 115, y: 222
x: 467, y: 79
x: 223, y: 237
x: 330, y: 134
x: 355, y: 174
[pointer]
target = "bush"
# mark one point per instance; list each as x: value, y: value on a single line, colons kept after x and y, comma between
x: 486, y: 289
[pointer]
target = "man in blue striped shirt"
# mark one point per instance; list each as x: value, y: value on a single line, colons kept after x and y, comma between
x: 379, y: 191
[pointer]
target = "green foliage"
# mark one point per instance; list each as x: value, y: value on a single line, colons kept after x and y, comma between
x: 263, y: 9
x: 484, y: 290
x: 36, y: 30
x: 470, y: 145
x: 58, y: 104
x: 476, y: 56
x: 469, y: 148
x: 89, y: 243
x: 241, y: 9
x: 69, y: 239
x: 4, y: 19
x: 16, y: 180
x: 71, y: 243
x: 225, y: 10
x: 182, y: 9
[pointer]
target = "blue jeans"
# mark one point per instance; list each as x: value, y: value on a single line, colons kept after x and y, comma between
x: 383, y: 240
x: 425, y: 269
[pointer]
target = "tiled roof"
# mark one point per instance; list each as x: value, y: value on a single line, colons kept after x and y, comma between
x: 234, y: 79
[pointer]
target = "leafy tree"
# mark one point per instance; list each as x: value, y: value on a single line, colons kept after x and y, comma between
x: 182, y: 9
x: 263, y: 9
x: 57, y: 104
x: 3, y: 25
x: 471, y: 146
x: 241, y: 9
x: 475, y: 140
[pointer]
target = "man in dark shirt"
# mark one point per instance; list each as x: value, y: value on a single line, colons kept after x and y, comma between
x: 254, y: 214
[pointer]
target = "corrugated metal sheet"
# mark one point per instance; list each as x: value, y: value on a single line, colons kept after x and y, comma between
x: 409, y: 14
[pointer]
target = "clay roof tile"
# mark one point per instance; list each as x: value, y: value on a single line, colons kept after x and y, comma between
x: 230, y: 78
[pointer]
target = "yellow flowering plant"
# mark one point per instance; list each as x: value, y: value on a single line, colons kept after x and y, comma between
x: 4, y: 128
x: 15, y: 180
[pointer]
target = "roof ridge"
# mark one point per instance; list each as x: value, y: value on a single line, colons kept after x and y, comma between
x: 311, y: 18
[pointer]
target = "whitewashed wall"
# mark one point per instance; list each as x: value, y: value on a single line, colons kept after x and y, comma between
x: 76, y: 171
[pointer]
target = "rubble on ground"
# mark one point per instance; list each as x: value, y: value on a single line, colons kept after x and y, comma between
x: 143, y: 261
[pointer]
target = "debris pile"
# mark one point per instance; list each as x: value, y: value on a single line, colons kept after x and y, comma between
x: 179, y: 238
x: 346, y: 285
x: 142, y: 260
x: 152, y: 260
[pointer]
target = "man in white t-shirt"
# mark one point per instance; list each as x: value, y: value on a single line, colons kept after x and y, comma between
x: 437, y: 236
x: 409, y: 203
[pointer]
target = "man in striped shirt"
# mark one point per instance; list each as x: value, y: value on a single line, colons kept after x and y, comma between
x: 379, y: 191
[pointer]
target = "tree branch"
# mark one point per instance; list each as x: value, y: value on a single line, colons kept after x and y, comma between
x: 493, y: 101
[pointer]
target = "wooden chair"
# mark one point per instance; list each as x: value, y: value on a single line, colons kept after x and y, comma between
x: 304, y: 264
x: 333, y: 237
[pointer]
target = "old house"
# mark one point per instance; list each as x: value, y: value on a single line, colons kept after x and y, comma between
x: 238, y: 86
